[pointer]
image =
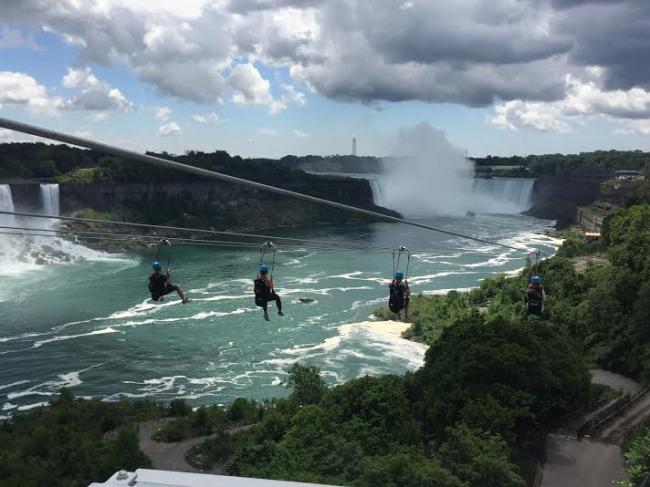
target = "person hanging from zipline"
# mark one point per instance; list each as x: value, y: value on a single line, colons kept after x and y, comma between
x: 399, y: 295
x: 160, y: 284
x: 399, y: 291
x: 535, y: 296
x: 264, y: 292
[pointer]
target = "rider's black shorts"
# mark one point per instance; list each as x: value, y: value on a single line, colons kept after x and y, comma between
x: 168, y: 289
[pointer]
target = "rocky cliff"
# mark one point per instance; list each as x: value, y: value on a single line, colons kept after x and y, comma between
x: 211, y: 204
x: 558, y: 197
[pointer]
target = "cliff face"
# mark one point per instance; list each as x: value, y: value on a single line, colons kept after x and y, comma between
x: 558, y: 197
x: 219, y: 205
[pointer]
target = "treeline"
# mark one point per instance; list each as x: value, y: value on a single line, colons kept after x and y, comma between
x: 550, y: 164
x: 70, y: 164
x: 62, y: 163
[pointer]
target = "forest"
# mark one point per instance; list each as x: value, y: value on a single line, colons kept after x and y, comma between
x: 557, y: 164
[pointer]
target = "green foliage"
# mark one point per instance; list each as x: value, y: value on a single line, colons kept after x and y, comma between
x: 73, y: 442
x: 523, y: 375
x: 405, y: 466
x: 637, y: 454
x: 178, y: 407
x: 82, y: 175
x: 479, y: 458
x: 550, y: 164
x: 575, y: 245
x: 243, y: 411
x: 627, y: 233
x: 307, y: 384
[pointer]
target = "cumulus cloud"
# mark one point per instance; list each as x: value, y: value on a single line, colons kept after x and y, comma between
x: 93, y: 94
x: 206, y: 118
x: 250, y: 88
x: 583, y: 99
x: 21, y: 89
x: 638, y: 127
x: 163, y: 113
x: 474, y: 52
x: 170, y: 129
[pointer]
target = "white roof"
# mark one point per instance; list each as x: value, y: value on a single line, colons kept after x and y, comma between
x: 143, y: 477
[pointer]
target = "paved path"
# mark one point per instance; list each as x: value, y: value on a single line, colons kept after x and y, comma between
x: 615, y: 381
x: 167, y: 456
x: 636, y: 414
x: 171, y: 456
x: 595, y: 462
x: 582, y: 464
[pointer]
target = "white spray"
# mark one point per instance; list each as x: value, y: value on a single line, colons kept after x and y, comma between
x: 429, y: 176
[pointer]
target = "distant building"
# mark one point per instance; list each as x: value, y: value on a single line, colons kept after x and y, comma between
x: 629, y: 174
x: 354, y: 146
x: 159, y: 478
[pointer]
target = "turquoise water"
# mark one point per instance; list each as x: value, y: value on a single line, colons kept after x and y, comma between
x: 90, y: 326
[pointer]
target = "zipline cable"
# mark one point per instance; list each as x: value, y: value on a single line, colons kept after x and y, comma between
x: 186, y: 229
x: 151, y: 239
x: 158, y: 161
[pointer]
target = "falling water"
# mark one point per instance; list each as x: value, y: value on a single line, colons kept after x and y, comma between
x: 50, y: 199
x: 516, y: 193
x: 6, y: 204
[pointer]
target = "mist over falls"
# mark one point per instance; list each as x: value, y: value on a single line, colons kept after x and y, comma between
x: 21, y: 253
x: 432, y: 177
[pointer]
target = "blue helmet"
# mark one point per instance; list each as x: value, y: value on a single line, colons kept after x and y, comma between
x: 156, y: 265
x: 399, y: 275
x: 536, y: 280
x: 264, y: 268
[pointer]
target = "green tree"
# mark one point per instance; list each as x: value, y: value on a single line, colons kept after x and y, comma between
x: 479, y: 458
x: 307, y: 384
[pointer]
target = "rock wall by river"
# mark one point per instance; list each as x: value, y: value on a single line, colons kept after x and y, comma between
x: 212, y: 204
x: 558, y: 197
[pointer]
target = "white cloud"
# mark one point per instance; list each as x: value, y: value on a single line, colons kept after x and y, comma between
x: 163, y: 113
x: 249, y: 86
x: 23, y: 90
x: 93, y: 95
x: 268, y: 132
x: 300, y: 134
x: 584, y: 99
x: 206, y: 118
x: 170, y: 129
x: 471, y: 52
x: 634, y: 127
x: 14, y: 38
x: 516, y: 114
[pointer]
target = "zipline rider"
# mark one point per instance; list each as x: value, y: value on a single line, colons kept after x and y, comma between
x: 160, y: 285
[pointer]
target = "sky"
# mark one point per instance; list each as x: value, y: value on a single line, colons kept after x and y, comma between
x: 276, y: 77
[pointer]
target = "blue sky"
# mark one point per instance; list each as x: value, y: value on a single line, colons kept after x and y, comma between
x: 274, y: 77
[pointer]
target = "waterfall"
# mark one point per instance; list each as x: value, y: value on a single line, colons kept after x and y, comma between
x: 378, y: 194
x: 6, y: 204
x: 515, y: 194
x: 50, y: 199
x: 23, y: 252
x: 498, y: 195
